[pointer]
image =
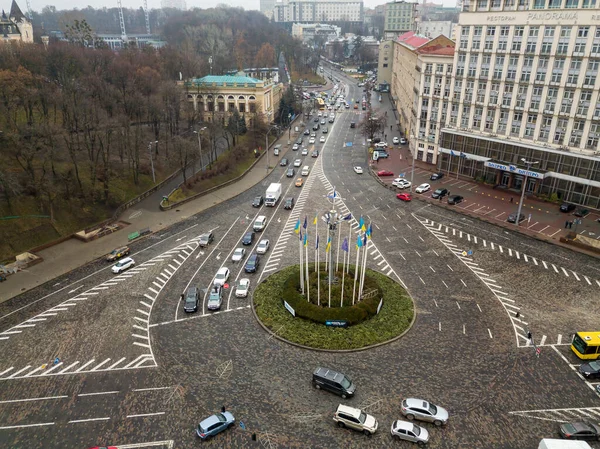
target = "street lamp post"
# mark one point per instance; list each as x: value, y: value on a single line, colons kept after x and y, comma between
x: 199, y: 148
x: 411, y: 144
x: 529, y: 164
x: 152, y: 160
x: 267, y: 143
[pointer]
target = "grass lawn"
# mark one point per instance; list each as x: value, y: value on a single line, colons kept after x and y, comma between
x: 395, y: 317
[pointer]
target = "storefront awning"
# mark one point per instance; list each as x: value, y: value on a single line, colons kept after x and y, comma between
x: 587, y: 182
x: 473, y: 157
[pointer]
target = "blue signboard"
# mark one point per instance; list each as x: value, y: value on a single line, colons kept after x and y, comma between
x: 348, y: 144
x: 336, y: 323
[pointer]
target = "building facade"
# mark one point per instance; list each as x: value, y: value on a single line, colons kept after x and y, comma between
x: 433, y: 28
x: 16, y: 26
x: 266, y: 7
x: 307, y: 32
x: 526, y: 87
x: 216, y: 97
x: 399, y: 18
x: 385, y: 63
x: 176, y: 4
x: 347, y: 47
x: 319, y: 11
x: 421, y: 82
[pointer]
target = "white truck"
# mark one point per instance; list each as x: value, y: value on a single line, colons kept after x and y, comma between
x: 550, y: 443
x: 273, y: 194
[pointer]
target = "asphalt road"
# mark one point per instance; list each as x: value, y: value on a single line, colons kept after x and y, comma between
x: 168, y: 369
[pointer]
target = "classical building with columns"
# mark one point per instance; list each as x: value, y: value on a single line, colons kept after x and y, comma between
x: 216, y: 97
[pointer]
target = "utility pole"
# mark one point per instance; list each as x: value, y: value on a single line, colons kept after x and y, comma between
x: 524, y: 186
x: 152, y: 160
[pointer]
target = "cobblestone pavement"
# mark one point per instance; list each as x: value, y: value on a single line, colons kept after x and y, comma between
x: 465, y: 351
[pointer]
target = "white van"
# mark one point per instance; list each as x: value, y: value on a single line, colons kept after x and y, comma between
x: 259, y: 223
x: 305, y: 170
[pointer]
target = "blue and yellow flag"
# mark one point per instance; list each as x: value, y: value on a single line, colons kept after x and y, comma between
x: 305, y: 222
x: 359, y: 242
x: 328, y: 247
x: 305, y: 238
x: 361, y: 224
x: 317, y: 244
x: 315, y: 220
x: 297, y: 228
x: 369, y: 232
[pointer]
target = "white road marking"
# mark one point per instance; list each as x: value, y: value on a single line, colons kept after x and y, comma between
x: 23, y: 426
x: 46, y: 398
x: 76, y: 421
x: 490, y: 332
x: 98, y: 393
x: 145, y: 414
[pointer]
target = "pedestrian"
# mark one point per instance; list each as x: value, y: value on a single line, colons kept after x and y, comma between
x: 566, y: 224
x: 440, y: 198
x: 511, y: 200
x: 570, y: 225
x: 390, y: 127
x: 385, y: 136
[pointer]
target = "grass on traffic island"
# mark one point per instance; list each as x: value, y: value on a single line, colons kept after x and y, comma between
x: 395, y: 317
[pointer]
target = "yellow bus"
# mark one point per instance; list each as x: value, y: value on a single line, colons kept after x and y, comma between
x: 321, y: 104
x: 586, y: 345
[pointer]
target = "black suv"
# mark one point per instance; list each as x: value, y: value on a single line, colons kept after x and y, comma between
x: 289, y: 203
x: 191, y: 300
x: 258, y: 201
x: 352, y: 125
x: 252, y: 264
x: 436, y: 176
x: 567, y: 207
x: 439, y: 193
x: 248, y: 238
x: 327, y: 379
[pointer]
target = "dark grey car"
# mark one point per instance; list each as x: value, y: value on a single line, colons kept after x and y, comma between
x: 191, y: 300
x: 330, y: 380
x: 206, y: 239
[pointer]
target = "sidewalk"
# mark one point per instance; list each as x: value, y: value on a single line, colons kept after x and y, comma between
x: 73, y: 253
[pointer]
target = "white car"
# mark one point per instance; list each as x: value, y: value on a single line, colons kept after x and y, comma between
x: 403, y: 141
x: 238, y: 254
x: 122, y: 265
x: 304, y: 151
x: 381, y: 145
x: 263, y: 247
x: 241, y: 291
x: 295, y: 147
x: 221, y: 277
x: 423, y: 188
x: 395, y: 140
x: 311, y: 140
x: 297, y: 162
x: 401, y: 183
x: 358, y: 170
x: 403, y: 430
x: 322, y: 139
x: 319, y: 114
x: 313, y: 134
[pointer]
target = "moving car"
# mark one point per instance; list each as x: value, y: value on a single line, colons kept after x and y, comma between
x: 306, y: 132
x: 403, y: 141
x: 355, y: 106
x: 263, y: 246
x: 259, y: 223
x: 277, y: 149
x: 404, y: 197
x: 191, y: 300
x: 322, y: 139
x: 295, y: 147
x: 395, y: 140
x: 358, y: 170
x: 313, y: 134
x: 315, y: 153
x: 297, y: 162
x: 325, y: 130
x: 590, y: 370
x: 385, y: 173
x: 311, y: 140
x: 248, y: 238
x: 258, y: 201
x: 304, y: 151
x: 290, y: 173
x: 221, y: 277
x: 356, y: 419
x: 118, y: 253
x: 322, y: 122
x: 402, y: 430
x: 122, y: 265
x: 289, y: 203
x: 567, y: 207
x: 252, y: 263
x: 238, y: 254
x: 436, y: 176
x: 299, y: 182
x: 283, y: 162
x: 352, y: 125
x: 330, y: 380
x: 424, y: 411
x: 512, y: 218
x: 439, y: 193
x: 215, y: 298
x: 455, y: 199
x: 241, y: 291
x: 206, y: 239
x: 215, y: 424
x: 580, y: 431
x: 423, y: 188
x: 381, y: 145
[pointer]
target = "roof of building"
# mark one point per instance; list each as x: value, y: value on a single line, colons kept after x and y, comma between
x: 412, y: 40
x: 440, y: 46
x: 226, y: 80
x: 15, y: 12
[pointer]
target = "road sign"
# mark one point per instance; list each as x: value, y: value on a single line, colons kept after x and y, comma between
x: 464, y: 253
x: 470, y: 253
x: 402, y: 175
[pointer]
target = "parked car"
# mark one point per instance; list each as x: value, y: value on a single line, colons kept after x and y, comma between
x: 190, y: 304
x: 436, y: 176
x: 258, y: 201
x: 356, y: 419
x: 277, y: 149
x: 238, y: 254
x: 567, y: 207
x: 403, y: 141
x: 381, y: 145
x: 404, y: 197
x: 252, y: 263
x: 248, y: 238
x: 424, y: 411
x: 590, y: 370
x: 206, y: 239
x: 215, y: 424
x: 581, y: 212
x: 385, y: 173
x: 423, y: 188
x: 242, y: 289
x: 358, y: 170
x: 455, y: 199
x: 122, y: 265
x: 215, y: 298
x: 512, y: 218
x: 263, y: 246
x: 283, y: 162
x: 402, y: 430
x: 118, y: 253
x: 289, y: 203
x: 221, y: 277
x: 333, y: 381
x: 439, y: 193
x: 580, y: 431
x: 395, y: 140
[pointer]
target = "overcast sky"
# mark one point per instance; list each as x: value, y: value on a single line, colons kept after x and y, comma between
x: 38, y: 5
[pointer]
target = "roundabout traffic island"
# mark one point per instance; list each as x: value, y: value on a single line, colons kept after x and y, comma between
x: 384, y: 313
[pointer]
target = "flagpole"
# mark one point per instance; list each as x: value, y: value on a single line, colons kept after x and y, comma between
x: 337, y: 256
x: 326, y: 241
x: 355, y: 272
x: 316, y: 248
x: 349, y: 245
x: 364, y: 269
x: 330, y: 272
x: 301, y: 267
x: 307, y: 279
x: 343, y: 275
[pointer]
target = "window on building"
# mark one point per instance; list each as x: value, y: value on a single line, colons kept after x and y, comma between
x: 491, y: 31
x: 583, y: 31
x: 559, y: 133
x: 502, y: 46
x: 554, y: 4
x: 516, y: 46
x: 504, y: 31
x: 519, y: 30
x: 567, y: 102
x: 579, y: 47
x: 530, y: 47
x: 572, y: 77
x: 534, y: 31
x: 565, y: 31
x: 588, y: 4
x: 549, y: 31
x: 562, y: 48
x: 546, y: 48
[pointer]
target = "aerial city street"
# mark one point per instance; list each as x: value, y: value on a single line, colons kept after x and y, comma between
x: 150, y: 336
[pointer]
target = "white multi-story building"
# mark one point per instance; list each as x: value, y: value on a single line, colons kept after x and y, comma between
x: 433, y: 28
x: 307, y: 32
x: 266, y: 7
x: 319, y: 11
x: 526, y: 87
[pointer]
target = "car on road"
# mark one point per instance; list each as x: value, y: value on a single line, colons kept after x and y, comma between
x: 306, y: 132
x: 424, y: 411
x: 404, y: 197
x: 322, y: 139
x: 252, y: 263
x: 358, y: 170
x: 290, y: 173
x: 242, y: 289
x: 381, y: 154
x: 320, y: 114
x: 580, y: 431
x: 315, y: 153
x: 304, y: 151
x: 297, y: 162
x: 295, y: 147
x: 299, y: 182
x: 221, y: 277
x: 590, y: 370
x: 117, y: 253
x: 385, y: 173
x: 263, y: 246
x: 455, y: 199
x: 352, y: 124
x: 423, y: 188
x: 283, y: 162
x: 567, y: 207
x: 347, y: 105
x: 215, y: 298
x: 313, y: 134
x: 316, y: 120
x: 122, y: 265
x: 206, y: 239
x: 439, y: 193
x: 403, y: 430
x: 238, y: 254
x: 355, y: 106
x: 395, y: 140
x: 190, y: 303
x: 356, y: 419
x: 401, y: 183
x: 436, y: 176
x: 215, y: 424
x: 581, y: 212
x: 311, y: 140
x: 381, y: 145
x: 258, y: 201
x: 512, y: 218
x: 333, y: 381
x: 403, y: 141
x: 322, y: 122
x: 289, y: 203
x: 325, y: 130
x: 248, y: 238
